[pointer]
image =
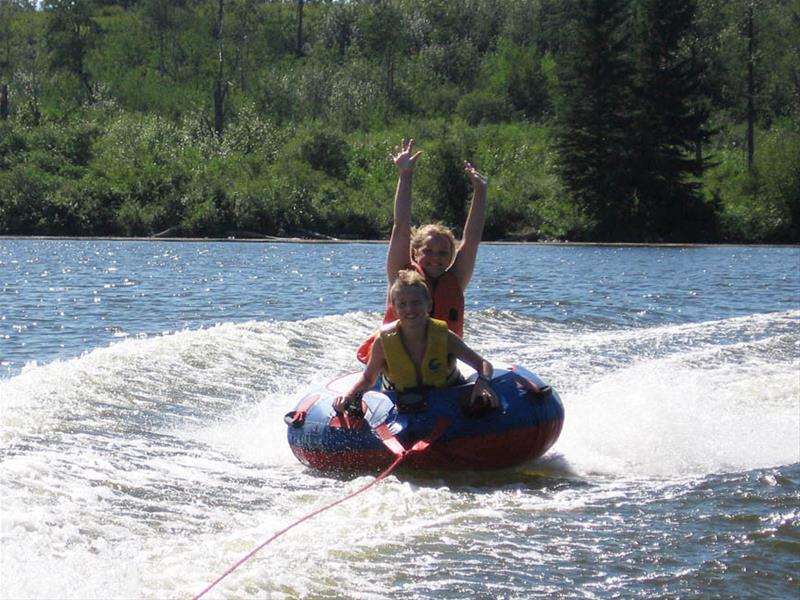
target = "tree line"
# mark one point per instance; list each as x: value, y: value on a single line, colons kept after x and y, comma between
x: 595, y: 120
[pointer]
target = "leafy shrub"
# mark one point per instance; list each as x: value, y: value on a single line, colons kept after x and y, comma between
x: 13, y: 144
x: 322, y: 149
x: 483, y: 107
x: 764, y: 204
x: 25, y: 208
x: 135, y: 218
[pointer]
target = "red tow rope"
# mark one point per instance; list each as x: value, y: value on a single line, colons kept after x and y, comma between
x: 397, y: 449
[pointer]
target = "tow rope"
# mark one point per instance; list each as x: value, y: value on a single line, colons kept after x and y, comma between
x: 392, y: 443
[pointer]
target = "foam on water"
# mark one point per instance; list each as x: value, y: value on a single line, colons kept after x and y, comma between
x: 685, y: 400
x: 149, y: 464
x: 669, y: 418
x: 229, y: 385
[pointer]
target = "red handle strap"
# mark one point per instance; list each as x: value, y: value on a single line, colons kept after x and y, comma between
x: 296, y: 418
x: 397, y: 448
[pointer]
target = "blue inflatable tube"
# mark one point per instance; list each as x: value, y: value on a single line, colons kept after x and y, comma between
x: 526, y: 424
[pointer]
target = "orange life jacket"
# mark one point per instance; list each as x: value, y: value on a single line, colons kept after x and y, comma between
x: 448, y: 306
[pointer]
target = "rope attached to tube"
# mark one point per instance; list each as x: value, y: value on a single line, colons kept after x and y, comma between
x: 400, y: 453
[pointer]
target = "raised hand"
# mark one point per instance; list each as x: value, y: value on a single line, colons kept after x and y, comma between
x: 404, y: 157
x: 478, y: 181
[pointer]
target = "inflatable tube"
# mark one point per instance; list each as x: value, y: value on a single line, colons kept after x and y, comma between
x: 526, y: 424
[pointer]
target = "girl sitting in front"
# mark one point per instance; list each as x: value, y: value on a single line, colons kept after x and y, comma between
x: 417, y: 351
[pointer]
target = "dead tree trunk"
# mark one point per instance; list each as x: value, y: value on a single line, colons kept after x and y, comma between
x: 4, y: 102
x: 299, y: 42
x: 219, y: 86
x: 751, y: 89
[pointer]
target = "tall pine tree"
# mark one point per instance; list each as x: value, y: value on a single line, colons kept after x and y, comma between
x: 594, y: 115
x: 668, y: 123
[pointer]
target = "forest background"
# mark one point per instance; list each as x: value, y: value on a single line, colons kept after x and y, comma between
x: 594, y: 120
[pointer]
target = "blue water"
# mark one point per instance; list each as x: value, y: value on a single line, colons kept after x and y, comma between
x: 62, y: 298
x: 142, y: 449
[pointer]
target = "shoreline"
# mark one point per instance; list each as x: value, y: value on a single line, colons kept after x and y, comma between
x: 298, y: 240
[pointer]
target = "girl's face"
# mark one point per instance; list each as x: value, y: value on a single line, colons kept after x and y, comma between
x: 434, y: 255
x: 411, y: 305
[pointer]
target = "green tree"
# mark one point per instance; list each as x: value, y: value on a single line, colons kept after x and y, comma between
x: 668, y: 123
x: 753, y: 58
x: 72, y: 32
x: 593, y: 116
x: 10, y: 11
x: 537, y: 23
x: 515, y: 74
x: 31, y: 69
x: 16, y: 62
x: 586, y: 114
x: 379, y: 32
x: 337, y: 28
x: 220, y: 86
x: 299, y: 39
x: 162, y: 16
x: 244, y: 21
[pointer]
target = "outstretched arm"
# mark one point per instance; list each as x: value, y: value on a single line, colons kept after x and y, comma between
x: 457, y: 347
x: 398, y: 256
x: 366, y: 381
x: 467, y: 254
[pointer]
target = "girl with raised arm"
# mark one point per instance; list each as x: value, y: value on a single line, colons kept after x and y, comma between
x: 432, y: 250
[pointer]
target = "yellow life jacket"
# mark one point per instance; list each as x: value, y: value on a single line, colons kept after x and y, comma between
x: 448, y: 305
x: 438, y: 369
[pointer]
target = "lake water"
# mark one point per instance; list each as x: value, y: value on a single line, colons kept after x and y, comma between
x: 143, y: 452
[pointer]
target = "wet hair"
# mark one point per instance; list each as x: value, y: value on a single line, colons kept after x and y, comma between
x: 418, y: 235
x: 406, y: 279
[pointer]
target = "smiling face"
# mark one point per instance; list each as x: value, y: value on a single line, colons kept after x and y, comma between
x: 410, y: 298
x: 411, y: 304
x: 434, y: 255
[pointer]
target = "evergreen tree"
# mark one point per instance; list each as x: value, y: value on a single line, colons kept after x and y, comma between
x: 668, y: 123
x: 72, y: 32
x: 9, y: 63
x: 593, y: 123
x: 379, y: 33
x: 161, y: 16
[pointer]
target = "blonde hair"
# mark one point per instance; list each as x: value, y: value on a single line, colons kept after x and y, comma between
x: 406, y: 279
x: 418, y: 235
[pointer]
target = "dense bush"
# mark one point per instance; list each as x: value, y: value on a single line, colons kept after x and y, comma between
x: 762, y: 204
x: 111, y: 129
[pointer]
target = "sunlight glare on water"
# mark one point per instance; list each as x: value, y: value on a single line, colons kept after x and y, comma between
x: 149, y: 463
